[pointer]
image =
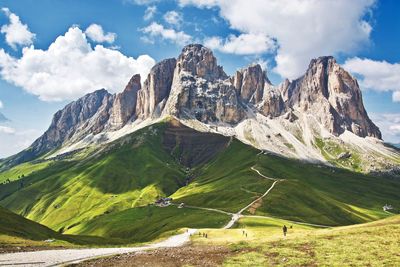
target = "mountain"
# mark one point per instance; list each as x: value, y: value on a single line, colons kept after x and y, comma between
x: 212, y: 141
x: 3, y: 118
x: 319, y: 117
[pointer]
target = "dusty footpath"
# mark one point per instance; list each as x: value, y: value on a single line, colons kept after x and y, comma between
x: 205, y: 256
x: 45, y: 258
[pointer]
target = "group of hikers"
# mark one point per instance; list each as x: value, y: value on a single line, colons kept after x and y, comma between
x: 244, y: 233
x: 203, y: 234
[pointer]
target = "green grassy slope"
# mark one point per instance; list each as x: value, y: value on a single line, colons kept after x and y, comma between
x: 323, y: 195
x: 16, y: 230
x: 371, y: 244
x: 146, y: 223
x: 105, y: 191
x: 131, y: 172
x: 226, y: 183
x: 12, y: 224
x: 310, y: 193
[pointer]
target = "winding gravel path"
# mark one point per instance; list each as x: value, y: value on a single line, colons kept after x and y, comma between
x: 238, y: 215
x: 65, y: 256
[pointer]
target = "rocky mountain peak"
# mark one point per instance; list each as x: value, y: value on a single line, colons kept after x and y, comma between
x: 87, y: 115
x: 249, y: 83
x: 134, y: 83
x: 200, y: 61
x: 333, y: 96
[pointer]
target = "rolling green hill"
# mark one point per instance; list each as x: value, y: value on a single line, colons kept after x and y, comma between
x: 106, y: 190
x: 12, y: 224
x: 309, y: 192
x: 15, y: 230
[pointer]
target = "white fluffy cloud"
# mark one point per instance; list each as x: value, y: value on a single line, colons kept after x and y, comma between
x: 7, y: 130
x: 376, y: 75
x: 15, y: 32
x: 173, y: 18
x: 149, y: 12
x: 199, y: 3
x: 14, y: 140
x: 389, y: 124
x: 158, y: 30
x: 303, y: 29
x: 97, y: 34
x: 1, y: 104
x: 244, y: 44
x: 70, y: 68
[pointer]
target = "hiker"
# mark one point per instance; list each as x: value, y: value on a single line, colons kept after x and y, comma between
x: 284, y: 230
x: 246, y: 234
x: 206, y: 235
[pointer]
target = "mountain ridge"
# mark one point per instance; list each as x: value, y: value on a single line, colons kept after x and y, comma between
x: 288, y: 119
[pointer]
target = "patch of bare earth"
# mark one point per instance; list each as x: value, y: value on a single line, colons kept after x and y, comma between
x: 253, y: 208
x: 166, y: 257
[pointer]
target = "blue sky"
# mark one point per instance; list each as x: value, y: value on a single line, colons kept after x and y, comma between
x: 74, y: 47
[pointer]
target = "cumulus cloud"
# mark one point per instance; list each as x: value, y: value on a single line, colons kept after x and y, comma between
x: 7, y: 130
x: 376, y: 75
x: 173, y: 18
x: 244, y: 44
x: 149, y: 12
x: 158, y: 30
x: 97, y: 34
x: 16, y: 33
x: 199, y: 3
x: 71, y: 67
x: 303, y: 29
x: 14, y: 140
x: 389, y: 124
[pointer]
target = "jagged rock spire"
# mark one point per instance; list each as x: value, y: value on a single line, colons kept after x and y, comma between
x: 200, y: 61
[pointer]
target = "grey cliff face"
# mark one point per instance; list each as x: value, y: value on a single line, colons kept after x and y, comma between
x: 201, y: 89
x: 194, y: 86
x: 88, y: 114
x: 124, y: 105
x: 333, y: 96
x: 156, y: 89
x: 249, y: 83
x: 199, y: 61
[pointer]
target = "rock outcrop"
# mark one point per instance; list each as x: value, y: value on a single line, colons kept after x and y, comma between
x: 87, y: 115
x: 333, y: 96
x: 201, y: 89
x: 124, y: 105
x: 249, y: 83
x: 199, y: 61
x: 156, y: 89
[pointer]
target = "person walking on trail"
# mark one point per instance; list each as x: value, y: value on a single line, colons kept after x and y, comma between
x: 284, y: 230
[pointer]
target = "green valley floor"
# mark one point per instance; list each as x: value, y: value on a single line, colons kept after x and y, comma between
x: 370, y: 244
